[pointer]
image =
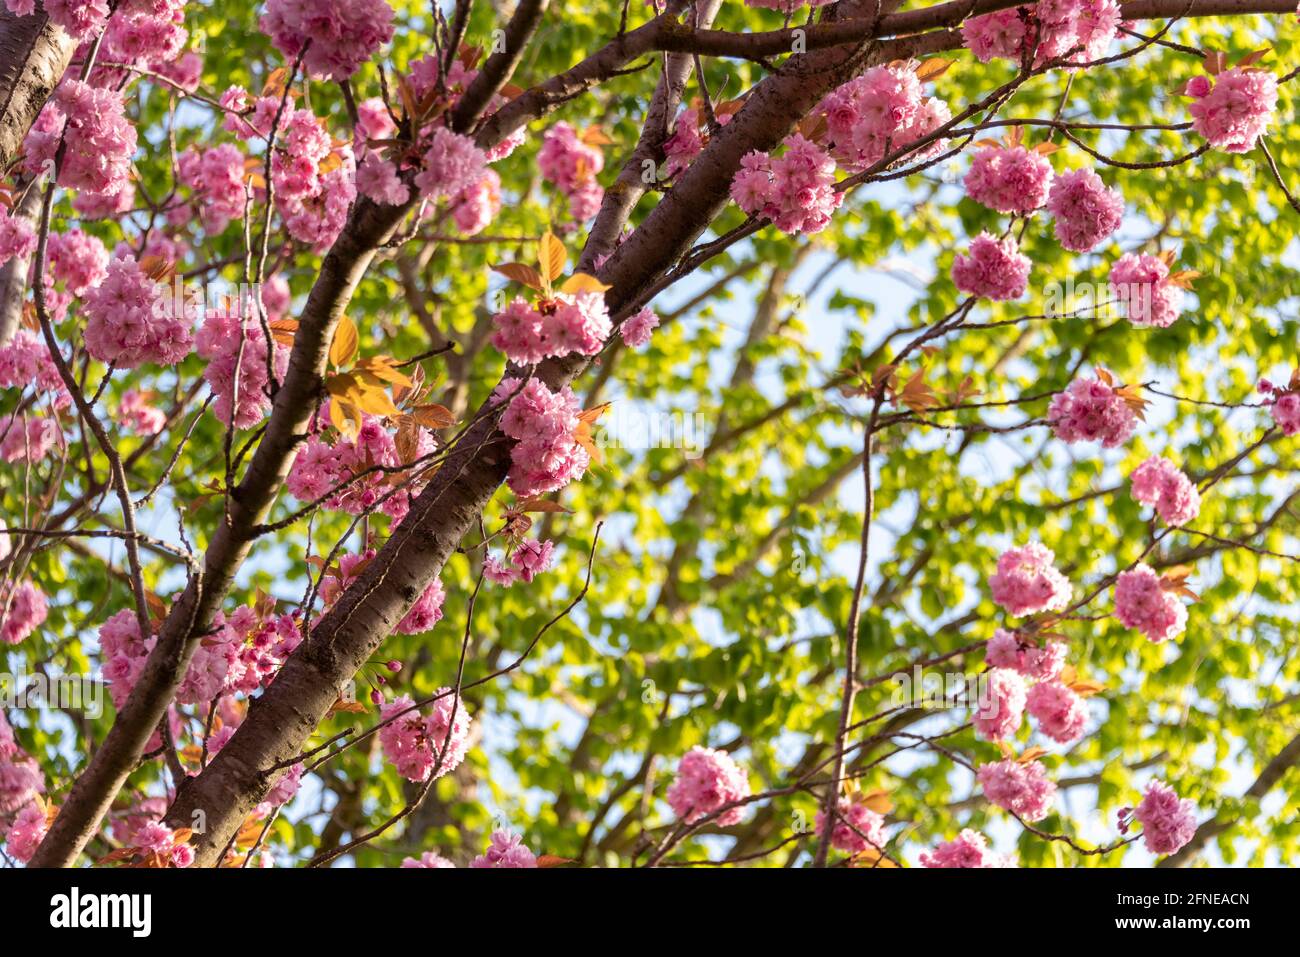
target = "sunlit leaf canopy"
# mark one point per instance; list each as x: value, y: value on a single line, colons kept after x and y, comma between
x: 723, y: 575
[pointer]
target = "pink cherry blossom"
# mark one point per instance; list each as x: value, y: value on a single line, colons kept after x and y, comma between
x: 999, y: 34
x: 994, y: 269
x: 1006, y: 650
x: 22, y: 610
x: 1237, y: 110
x: 706, y: 781
x: 80, y: 260
x: 131, y: 319
x: 17, y: 238
x: 26, y: 832
x: 339, y: 35
x: 1009, y: 179
x: 1061, y: 713
x: 1026, y: 581
x: 28, y: 437
x: 1168, y: 822
x: 1001, y: 707
x: 427, y: 859
x: 1022, y: 789
x: 235, y: 348
x: 1090, y: 410
x: 138, y: 414
x: 1142, y: 281
x: 857, y: 827
x: 636, y: 329
x: 1159, y: 482
x: 414, y: 742
x: 426, y: 612
x: 1086, y: 211
x: 795, y: 190
x: 967, y: 849
x: 506, y: 850
x: 452, y: 164
x: 546, y: 456
x: 1142, y: 602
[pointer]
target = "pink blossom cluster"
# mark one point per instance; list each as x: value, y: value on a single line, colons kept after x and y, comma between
x: 263, y: 643
x: 546, y: 456
x: 1142, y: 602
x: 123, y: 651
x: 1234, y: 112
x: 427, y: 859
x: 1162, y: 484
x: 1001, y: 706
x: 1062, y: 713
x: 28, y: 438
x: 555, y: 327
x: 321, y: 469
x: 1168, y: 822
x: 131, y: 319
x: 1142, y: 282
x: 338, y: 35
x: 571, y: 165
x: 137, y: 413
x: 1283, y: 403
x: 216, y: 176
x: 27, y: 832
x: 22, y: 610
x: 1080, y: 31
x: 80, y: 260
x: 99, y: 140
x: 21, y: 779
x: 414, y: 742
x: 857, y: 827
x: 26, y: 361
x: 1089, y: 410
x: 17, y: 238
x: 80, y: 19
x: 1026, y: 581
x: 506, y: 850
x: 1006, y: 650
x: 707, y: 780
x: 997, y: 35
x: 379, y: 181
x: 218, y: 665
x: 687, y: 141
x: 1009, y: 179
x: 994, y: 269
x: 1085, y: 210
x: 426, y: 612
x: 452, y: 165
x: 528, y: 560
x: 312, y: 195
x: 235, y: 347
x: 474, y: 207
x: 155, y: 838
x: 795, y: 190
x: 146, y: 34
x: 423, y: 79
x: 968, y: 849
x: 884, y: 108
x: 637, y: 329
x: 1021, y: 788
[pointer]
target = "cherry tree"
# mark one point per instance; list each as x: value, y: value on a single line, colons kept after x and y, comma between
x: 322, y: 323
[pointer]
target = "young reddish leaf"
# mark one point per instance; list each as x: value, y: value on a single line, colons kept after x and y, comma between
x: 434, y: 416
x: 520, y: 273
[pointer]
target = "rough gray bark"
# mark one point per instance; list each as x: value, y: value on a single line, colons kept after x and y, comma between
x: 13, y: 274
x: 33, y: 56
